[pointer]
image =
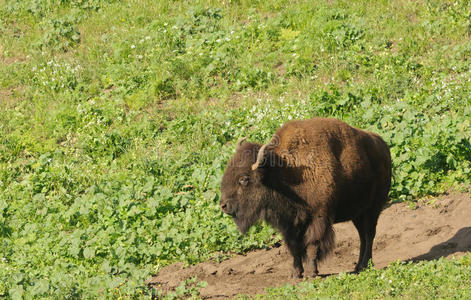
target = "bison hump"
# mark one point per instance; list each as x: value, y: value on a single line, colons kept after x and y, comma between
x: 304, y: 142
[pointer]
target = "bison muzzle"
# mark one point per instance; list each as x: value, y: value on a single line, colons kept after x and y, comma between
x: 312, y: 174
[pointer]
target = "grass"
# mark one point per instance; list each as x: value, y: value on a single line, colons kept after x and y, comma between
x: 450, y: 280
x: 117, y: 119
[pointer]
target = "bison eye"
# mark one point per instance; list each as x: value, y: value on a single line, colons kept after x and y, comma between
x: 244, y: 180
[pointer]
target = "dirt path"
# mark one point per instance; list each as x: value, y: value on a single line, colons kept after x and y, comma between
x: 428, y: 232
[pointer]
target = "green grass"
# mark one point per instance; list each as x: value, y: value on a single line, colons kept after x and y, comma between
x: 440, y: 279
x: 117, y: 119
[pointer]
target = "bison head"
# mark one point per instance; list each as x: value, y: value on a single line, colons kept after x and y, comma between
x: 243, y: 193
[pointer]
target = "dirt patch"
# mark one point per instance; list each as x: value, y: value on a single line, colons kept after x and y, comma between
x: 8, y: 99
x: 430, y: 231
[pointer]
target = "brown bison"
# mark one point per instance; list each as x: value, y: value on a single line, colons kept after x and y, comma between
x: 312, y: 174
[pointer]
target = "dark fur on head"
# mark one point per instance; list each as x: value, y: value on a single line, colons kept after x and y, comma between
x: 311, y: 175
x: 242, y: 188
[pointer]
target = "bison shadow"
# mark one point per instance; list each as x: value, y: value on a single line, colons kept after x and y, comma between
x: 460, y: 242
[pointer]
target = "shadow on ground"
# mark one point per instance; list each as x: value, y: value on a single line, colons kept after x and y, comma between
x: 460, y: 242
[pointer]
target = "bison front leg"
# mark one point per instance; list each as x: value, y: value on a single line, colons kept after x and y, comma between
x: 312, y: 258
x: 297, y: 271
x: 297, y: 251
x: 319, y: 239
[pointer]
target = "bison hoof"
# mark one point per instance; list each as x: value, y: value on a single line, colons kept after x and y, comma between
x: 358, y: 268
x: 311, y: 274
x: 296, y: 274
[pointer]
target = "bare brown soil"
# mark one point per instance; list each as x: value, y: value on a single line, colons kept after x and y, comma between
x: 437, y: 228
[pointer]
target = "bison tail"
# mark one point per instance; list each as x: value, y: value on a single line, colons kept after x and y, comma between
x: 321, y: 234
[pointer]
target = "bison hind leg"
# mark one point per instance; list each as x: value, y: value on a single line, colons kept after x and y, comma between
x: 366, y: 226
x: 319, y: 240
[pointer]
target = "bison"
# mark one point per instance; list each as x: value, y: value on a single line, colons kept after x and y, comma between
x: 312, y: 174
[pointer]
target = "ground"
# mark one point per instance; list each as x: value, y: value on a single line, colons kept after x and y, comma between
x: 433, y: 228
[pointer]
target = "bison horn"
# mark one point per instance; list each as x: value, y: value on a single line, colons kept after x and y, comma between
x: 260, y: 155
x: 240, y: 141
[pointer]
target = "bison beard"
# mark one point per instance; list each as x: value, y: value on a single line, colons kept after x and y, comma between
x: 312, y: 174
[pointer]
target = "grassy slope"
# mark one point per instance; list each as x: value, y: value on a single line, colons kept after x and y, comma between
x: 117, y: 118
x: 441, y: 279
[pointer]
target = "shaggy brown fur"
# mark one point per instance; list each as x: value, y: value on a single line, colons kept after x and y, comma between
x: 312, y: 174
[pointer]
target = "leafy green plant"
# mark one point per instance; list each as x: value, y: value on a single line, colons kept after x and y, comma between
x: 187, y: 289
x: 61, y: 33
x: 399, y: 280
x: 117, y: 120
